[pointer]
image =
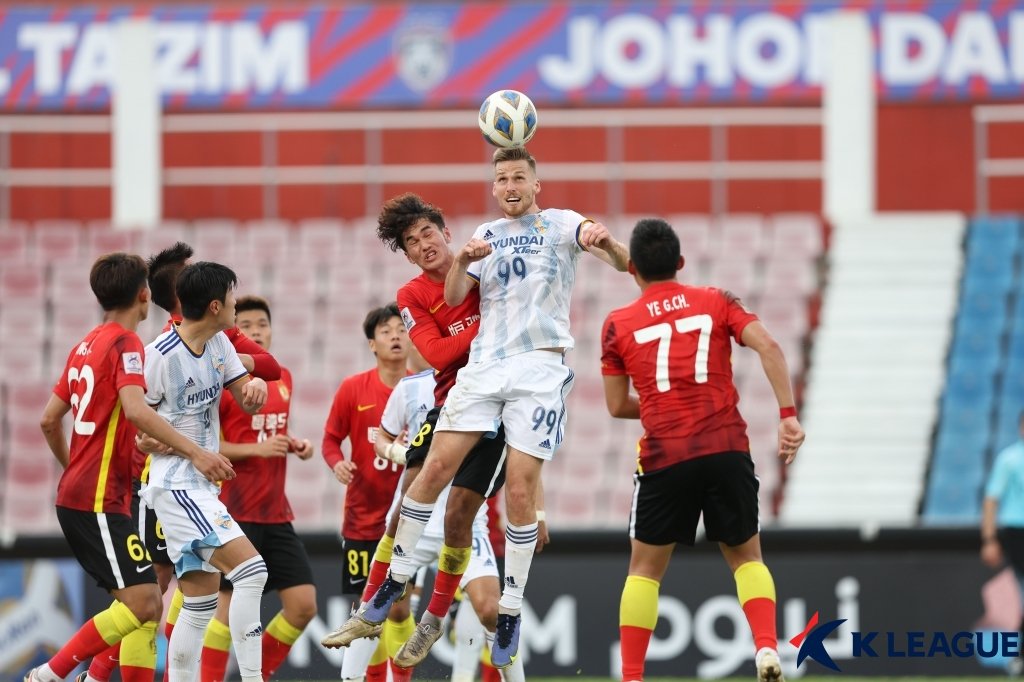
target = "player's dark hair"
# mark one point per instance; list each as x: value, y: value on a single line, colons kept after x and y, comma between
x: 244, y: 304
x: 199, y: 284
x: 164, y: 269
x: 502, y: 154
x: 116, y: 279
x: 379, y: 316
x: 402, y: 212
x: 654, y: 249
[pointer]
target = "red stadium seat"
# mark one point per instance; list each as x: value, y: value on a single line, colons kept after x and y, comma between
x: 739, y: 236
x: 58, y: 242
x: 102, y: 238
x: 321, y: 241
x: 796, y: 236
x: 23, y: 362
x: 27, y: 399
x: 22, y: 323
x: 271, y: 241
x: 15, y: 244
x: 165, y: 234
x: 220, y: 241
x: 72, y: 321
x: 22, y: 282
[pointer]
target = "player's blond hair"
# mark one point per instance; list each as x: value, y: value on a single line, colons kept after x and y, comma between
x: 503, y: 154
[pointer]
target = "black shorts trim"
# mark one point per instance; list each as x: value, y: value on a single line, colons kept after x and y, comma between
x: 356, y: 558
x: 668, y: 503
x: 107, y: 547
x: 483, y: 470
x: 282, y: 550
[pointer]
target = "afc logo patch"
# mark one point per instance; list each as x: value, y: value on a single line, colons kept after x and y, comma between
x: 132, y: 362
x: 407, y: 319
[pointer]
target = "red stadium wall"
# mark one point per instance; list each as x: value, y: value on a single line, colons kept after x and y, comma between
x: 925, y: 162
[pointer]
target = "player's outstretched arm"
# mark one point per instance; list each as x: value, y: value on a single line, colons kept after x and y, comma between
x: 621, y: 403
x: 458, y: 283
x: 213, y: 466
x: 52, y: 424
x: 596, y: 238
x: 791, y: 434
x: 250, y: 393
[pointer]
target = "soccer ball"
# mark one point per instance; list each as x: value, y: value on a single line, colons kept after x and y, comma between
x: 508, y: 119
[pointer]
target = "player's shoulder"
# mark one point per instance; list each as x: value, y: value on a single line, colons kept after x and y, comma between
x: 564, y: 217
x: 414, y: 289
x: 418, y: 377
x: 164, y: 344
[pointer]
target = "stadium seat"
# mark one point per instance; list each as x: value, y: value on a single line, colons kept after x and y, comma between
x: 737, y: 275
x: 694, y: 232
x: 789, y: 279
x: 25, y: 362
x: 22, y: 282
x: 15, y: 245
x: 320, y: 241
x: 272, y: 241
x: 739, y: 236
x: 1000, y: 234
x: 22, y: 323
x: 989, y: 270
x: 58, y: 242
x: 952, y: 500
x: 978, y: 303
x: 164, y: 235
x: 970, y: 385
x: 101, y: 238
x: 796, y: 236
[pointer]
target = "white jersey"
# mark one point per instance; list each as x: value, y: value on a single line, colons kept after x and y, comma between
x: 407, y: 409
x: 185, y: 389
x: 526, y: 283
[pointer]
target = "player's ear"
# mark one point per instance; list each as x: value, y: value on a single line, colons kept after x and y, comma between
x: 681, y: 263
x: 447, y: 235
x: 630, y: 268
x: 372, y: 345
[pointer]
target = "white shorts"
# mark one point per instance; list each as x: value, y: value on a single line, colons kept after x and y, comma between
x: 525, y: 392
x: 195, y: 523
x: 482, y: 562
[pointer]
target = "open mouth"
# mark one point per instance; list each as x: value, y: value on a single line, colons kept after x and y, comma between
x: 396, y: 348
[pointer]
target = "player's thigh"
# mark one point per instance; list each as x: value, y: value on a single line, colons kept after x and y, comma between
x: 107, y: 547
x: 196, y: 524
x: 357, y: 556
x: 475, y: 402
x: 666, y: 505
x: 535, y: 412
x: 729, y: 499
x: 483, y: 470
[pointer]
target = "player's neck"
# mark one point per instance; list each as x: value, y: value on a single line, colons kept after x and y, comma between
x: 195, y: 333
x: 391, y: 372
x: 644, y: 284
x: 129, y: 319
x: 441, y: 272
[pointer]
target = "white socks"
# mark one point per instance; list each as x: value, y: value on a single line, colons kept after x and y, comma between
x: 248, y: 579
x: 519, y: 545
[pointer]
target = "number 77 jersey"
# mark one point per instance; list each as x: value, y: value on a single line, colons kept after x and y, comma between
x: 675, y: 344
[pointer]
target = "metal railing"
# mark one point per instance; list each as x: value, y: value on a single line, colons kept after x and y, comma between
x: 269, y: 174
x: 985, y: 167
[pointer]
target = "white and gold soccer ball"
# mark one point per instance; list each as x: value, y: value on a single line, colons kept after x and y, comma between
x: 508, y: 118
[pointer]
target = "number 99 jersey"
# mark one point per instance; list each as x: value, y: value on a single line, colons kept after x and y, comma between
x: 526, y: 283
x: 98, y: 478
x: 675, y: 343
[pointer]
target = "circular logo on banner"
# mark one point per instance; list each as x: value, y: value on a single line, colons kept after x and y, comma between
x: 423, y: 53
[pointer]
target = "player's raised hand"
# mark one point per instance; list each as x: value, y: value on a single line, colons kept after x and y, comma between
x: 791, y: 437
x: 214, y: 466
x: 254, y: 394
x: 344, y: 471
x: 474, y: 250
x: 596, y: 234
x: 274, y: 446
x: 992, y: 554
x: 303, y: 449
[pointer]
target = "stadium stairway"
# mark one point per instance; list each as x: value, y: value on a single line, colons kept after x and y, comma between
x: 876, y: 372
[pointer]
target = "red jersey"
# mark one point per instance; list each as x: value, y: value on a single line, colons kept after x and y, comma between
x: 674, y: 343
x: 99, y: 473
x: 441, y: 333
x: 256, y: 493
x: 355, y: 414
x: 265, y: 367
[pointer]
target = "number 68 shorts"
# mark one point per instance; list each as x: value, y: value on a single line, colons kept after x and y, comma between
x: 107, y: 547
x: 195, y: 524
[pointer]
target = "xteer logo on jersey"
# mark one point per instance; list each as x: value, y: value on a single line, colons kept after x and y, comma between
x: 811, y: 644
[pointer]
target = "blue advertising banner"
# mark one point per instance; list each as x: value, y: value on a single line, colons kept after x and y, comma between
x: 446, y: 54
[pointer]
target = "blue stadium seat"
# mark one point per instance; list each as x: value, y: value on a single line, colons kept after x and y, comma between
x: 1007, y: 426
x: 977, y: 302
x: 970, y: 385
x: 967, y: 416
x: 1002, y: 233
x: 961, y: 446
x: 980, y: 353
x: 989, y: 269
x: 952, y: 499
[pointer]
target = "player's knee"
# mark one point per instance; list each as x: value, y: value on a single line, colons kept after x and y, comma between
x: 301, y: 612
x: 145, y: 605
x: 249, y: 577
x: 519, y: 499
x: 487, y: 612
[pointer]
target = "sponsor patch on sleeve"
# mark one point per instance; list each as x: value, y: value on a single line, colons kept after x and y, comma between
x: 132, y: 362
x: 407, y: 319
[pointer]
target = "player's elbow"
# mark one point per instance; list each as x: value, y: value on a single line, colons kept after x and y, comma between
x: 133, y: 412
x: 617, y: 406
x: 49, y: 423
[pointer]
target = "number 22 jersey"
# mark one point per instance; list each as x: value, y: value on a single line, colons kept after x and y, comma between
x: 675, y: 343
